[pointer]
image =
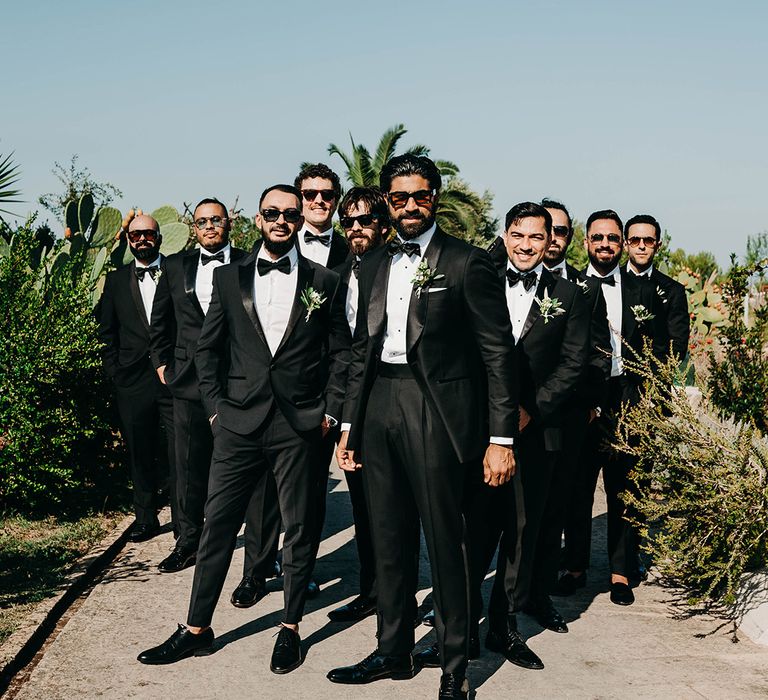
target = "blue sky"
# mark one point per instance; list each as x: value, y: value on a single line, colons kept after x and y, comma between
x: 655, y: 107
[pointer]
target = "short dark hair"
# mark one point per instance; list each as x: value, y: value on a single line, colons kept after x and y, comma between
x: 604, y: 214
x: 643, y: 219
x: 528, y: 210
x: 371, y: 197
x: 311, y: 170
x: 408, y: 164
x: 210, y: 200
x: 552, y: 204
x: 289, y: 189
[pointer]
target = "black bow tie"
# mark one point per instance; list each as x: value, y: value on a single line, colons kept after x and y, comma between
x: 141, y: 272
x: 205, y: 259
x: 406, y: 247
x: 322, y: 237
x: 557, y: 272
x: 527, y: 278
x: 356, y: 267
x: 264, y: 267
x: 610, y: 280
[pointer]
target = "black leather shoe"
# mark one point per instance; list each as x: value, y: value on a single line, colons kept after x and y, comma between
x: 568, y: 584
x: 429, y: 619
x: 142, y: 533
x: 547, y: 616
x: 453, y: 687
x: 357, y: 609
x: 248, y: 592
x: 177, y: 560
x: 313, y: 590
x: 181, y: 644
x: 374, y: 667
x: 514, y: 649
x: 621, y: 594
x: 430, y: 657
x: 286, y: 655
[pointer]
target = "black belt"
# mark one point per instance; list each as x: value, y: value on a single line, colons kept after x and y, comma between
x: 393, y: 371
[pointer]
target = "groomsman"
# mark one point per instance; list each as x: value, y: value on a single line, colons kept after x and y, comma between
x: 143, y: 402
x: 181, y: 302
x: 273, y: 320
x: 432, y: 391
x: 364, y: 217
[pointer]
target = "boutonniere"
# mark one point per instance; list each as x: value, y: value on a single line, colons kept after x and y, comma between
x: 424, y: 277
x: 641, y: 313
x: 549, y: 306
x: 662, y: 295
x: 584, y: 286
x: 158, y: 275
x: 312, y: 299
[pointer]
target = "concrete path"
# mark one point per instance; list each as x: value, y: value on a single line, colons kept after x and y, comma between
x: 610, y: 652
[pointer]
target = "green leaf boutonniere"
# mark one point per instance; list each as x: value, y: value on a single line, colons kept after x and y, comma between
x: 642, y: 314
x: 424, y: 277
x: 549, y: 306
x: 312, y: 299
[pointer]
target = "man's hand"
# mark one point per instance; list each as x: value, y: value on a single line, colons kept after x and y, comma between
x: 498, y: 464
x: 161, y: 373
x: 325, y: 426
x: 345, y: 457
x: 592, y: 414
x: 525, y: 418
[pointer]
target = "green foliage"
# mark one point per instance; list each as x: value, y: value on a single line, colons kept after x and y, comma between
x: 577, y: 253
x: 176, y: 237
x: 705, y: 302
x: 9, y: 176
x: 703, y: 263
x: 757, y: 250
x: 166, y: 214
x: 56, y: 443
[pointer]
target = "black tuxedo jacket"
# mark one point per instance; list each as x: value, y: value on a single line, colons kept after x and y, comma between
x: 123, y: 328
x: 672, y: 328
x: 232, y: 338
x: 459, y: 345
x: 339, y: 250
x: 177, y: 319
x: 552, y: 355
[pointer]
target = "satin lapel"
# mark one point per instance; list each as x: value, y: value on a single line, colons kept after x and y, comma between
x: 189, y: 264
x: 133, y: 283
x: 377, y: 305
x: 547, y: 282
x: 417, y: 309
x: 245, y: 274
x: 305, y: 276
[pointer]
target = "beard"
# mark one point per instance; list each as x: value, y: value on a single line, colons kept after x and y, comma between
x: 360, y: 245
x: 552, y: 257
x: 410, y: 231
x: 146, y: 253
x: 279, y: 248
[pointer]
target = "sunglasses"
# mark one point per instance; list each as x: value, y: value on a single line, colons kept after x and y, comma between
x: 648, y: 241
x: 290, y: 216
x: 599, y: 237
x: 215, y: 221
x: 560, y: 231
x: 365, y: 220
x: 423, y: 198
x: 149, y: 234
x: 311, y: 195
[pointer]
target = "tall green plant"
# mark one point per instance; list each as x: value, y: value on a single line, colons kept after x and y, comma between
x: 9, y: 176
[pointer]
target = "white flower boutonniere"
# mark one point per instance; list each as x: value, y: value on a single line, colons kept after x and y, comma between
x: 641, y: 313
x: 312, y: 299
x: 549, y: 306
x: 662, y: 295
x: 584, y: 286
x: 424, y: 277
x: 158, y: 275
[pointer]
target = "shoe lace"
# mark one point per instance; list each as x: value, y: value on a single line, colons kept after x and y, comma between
x: 369, y: 658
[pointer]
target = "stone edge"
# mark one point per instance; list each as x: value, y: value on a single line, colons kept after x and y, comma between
x: 751, y: 606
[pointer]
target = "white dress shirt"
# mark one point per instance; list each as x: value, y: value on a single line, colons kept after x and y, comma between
x: 204, y: 279
x: 273, y: 296
x: 612, y: 296
x: 560, y: 266
x: 316, y: 251
x: 351, y: 304
x: 147, y: 287
x: 520, y: 299
x: 402, y: 270
x: 644, y: 273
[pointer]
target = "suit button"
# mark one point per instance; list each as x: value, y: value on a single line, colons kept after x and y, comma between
x: 272, y: 366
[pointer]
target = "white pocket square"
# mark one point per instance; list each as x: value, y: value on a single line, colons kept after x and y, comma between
x: 432, y: 290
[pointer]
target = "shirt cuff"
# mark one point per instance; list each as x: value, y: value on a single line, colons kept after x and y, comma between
x: 332, y: 422
x: 502, y: 440
x: 346, y: 427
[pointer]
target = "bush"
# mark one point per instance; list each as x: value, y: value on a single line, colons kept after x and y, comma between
x: 57, y: 449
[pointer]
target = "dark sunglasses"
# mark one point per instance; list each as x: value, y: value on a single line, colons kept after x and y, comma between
x: 149, y: 234
x: 635, y: 241
x: 423, y: 198
x: 290, y: 216
x: 215, y: 221
x: 561, y: 231
x: 311, y: 195
x: 365, y: 220
x: 599, y: 237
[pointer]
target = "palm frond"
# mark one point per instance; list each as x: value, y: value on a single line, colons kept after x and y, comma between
x: 386, y: 148
x: 334, y: 150
x: 418, y: 150
x: 447, y: 168
x: 9, y: 176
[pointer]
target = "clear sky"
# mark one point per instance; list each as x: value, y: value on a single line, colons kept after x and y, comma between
x: 651, y: 106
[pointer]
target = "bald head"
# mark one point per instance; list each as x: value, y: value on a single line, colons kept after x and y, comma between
x: 144, y: 238
x: 144, y: 222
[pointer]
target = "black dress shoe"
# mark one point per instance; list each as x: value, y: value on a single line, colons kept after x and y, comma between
x: 374, y: 667
x: 357, y: 609
x: 429, y: 619
x: 181, y: 644
x: 621, y: 594
x: 142, y: 533
x: 430, y: 657
x: 453, y: 687
x: 248, y: 592
x: 547, y: 616
x: 177, y: 560
x: 513, y: 648
x: 568, y: 584
x: 286, y: 655
x: 313, y: 590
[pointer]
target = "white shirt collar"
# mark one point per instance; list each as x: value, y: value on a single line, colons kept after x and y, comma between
x: 559, y: 266
x: 154, y: 263
x: 328, y: 232
x: 536, y: 270
x: 292, y: 256
x: 591, y: 272
x: 422, y: 239
x: 644, y: 273
x: 227, y: 250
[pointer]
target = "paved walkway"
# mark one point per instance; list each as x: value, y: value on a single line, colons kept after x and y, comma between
x: 610, y: 652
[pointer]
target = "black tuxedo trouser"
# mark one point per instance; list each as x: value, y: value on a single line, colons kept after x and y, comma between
x: 146, y: 421
x: 363, y: 541
x: 239, y: 463
x: 411, y: 472
x: 595, y: 455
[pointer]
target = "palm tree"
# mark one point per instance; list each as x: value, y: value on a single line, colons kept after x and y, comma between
x: 9, y: 176
x: 460, y: 211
